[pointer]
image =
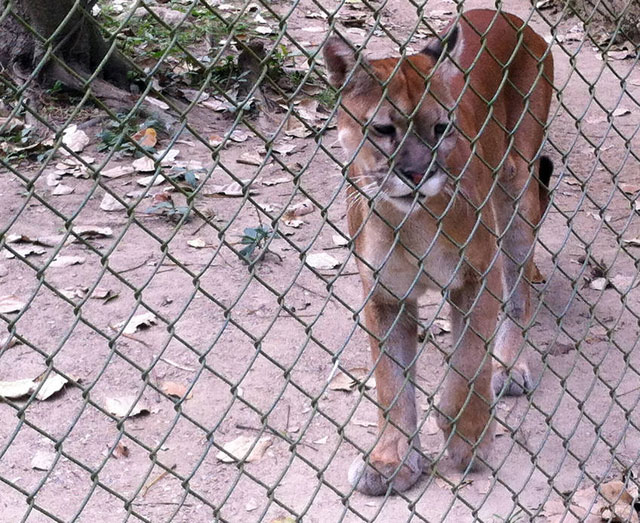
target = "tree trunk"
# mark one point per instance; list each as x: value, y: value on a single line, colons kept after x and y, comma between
x: 608, y: 14
x: 33, y: 27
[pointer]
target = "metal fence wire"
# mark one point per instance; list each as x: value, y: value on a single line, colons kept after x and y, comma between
x: 193, y: 331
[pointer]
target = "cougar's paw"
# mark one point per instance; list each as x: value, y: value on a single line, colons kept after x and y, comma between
x: 515, y: 382
x: 472, y: 438
x: 466, y: 456
x: 374, y: 479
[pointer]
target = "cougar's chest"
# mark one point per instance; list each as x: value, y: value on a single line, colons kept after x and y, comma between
x: 410, y: 259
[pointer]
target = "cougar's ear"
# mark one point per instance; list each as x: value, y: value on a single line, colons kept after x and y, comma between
x: 451, y: 44
x: 340, y: 59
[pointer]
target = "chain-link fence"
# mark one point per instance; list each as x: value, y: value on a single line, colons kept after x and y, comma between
x: 194, y: 195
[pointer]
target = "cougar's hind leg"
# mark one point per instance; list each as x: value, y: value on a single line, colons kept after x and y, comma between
x: 396, y: 458
x: 520, y: 198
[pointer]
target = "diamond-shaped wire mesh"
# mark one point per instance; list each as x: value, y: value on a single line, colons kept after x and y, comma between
x: 186, y: 336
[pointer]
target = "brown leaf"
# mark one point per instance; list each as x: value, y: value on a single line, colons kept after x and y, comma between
x: 614, y: 491
x: 171, y: 388
x: 121, y: 451
x: 146, y: 137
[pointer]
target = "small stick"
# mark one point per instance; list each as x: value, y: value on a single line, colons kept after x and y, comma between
x: 154, y: 481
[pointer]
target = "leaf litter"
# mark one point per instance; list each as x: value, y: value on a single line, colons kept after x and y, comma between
x: 241, y: 448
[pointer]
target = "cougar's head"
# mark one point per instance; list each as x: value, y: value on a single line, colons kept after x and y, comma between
x: 396, y: 119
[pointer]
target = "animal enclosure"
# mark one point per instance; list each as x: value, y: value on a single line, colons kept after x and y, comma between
x: 183, y: 333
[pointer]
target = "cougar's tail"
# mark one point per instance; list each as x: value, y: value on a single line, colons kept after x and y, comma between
x: 545, y: 171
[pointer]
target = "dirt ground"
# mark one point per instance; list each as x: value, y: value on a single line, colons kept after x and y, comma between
x: 252, y: 349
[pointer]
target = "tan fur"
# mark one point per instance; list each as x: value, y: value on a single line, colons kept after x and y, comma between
x: 459, y: 235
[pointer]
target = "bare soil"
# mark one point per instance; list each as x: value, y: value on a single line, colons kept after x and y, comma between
x: 256, y: 345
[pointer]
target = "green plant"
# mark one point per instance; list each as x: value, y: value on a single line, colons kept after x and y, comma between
x: 255, y: 238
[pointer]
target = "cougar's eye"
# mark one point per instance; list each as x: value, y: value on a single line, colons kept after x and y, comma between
x: 384, y: 130
x: 439, y: 129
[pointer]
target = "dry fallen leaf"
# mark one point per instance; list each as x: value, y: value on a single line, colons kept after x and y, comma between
x: 619, y: 506
x: 146, y: 181
x: 104, y: 294
x: 144, y: 165
x: 632, y: 242
x: 43, y: 460
x: 197, y: 243
x: 215, y: 140
x: 93, y: 231
x: 167, y: 157
x: 275, y: 181
x: 75, y: 139
x: 25, y: 251
x: 117, y: 172
x: 120, y: 406
x: 621, y: 111
x: 249, y: 158
x: 295, y: 224
x: 171, y: 388
x: 237, y: 449
x: 365, y: 423
x: 52, y: 384
x: 25, y: 387
x: 141, y: 321
x: 299, y: 209
x: 598, y: 284
x: 16, y: 389
x: 66, y: 261
x: 344, y: 382
x: 62, y: 190
x: 10, y: 303
x: 339, y: 240
x: 441, y: 326
x: 232, y: 190
x: 629, y: 188
x: 239, y: 136
x: 146, y: 137
x: 284, y: 148
x: 110, y: 204
x: 121, y: 451
x: 322, y: 261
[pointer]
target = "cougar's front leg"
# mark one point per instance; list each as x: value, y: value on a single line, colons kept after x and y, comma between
x: 395, y: 459
x: 465, y: 403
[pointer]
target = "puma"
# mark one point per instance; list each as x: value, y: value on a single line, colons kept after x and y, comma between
x: 447, y: 188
